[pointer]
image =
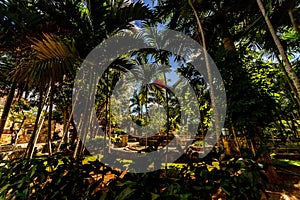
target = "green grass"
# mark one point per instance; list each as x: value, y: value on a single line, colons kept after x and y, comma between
x: 286, y: 162
x: 87, y: 159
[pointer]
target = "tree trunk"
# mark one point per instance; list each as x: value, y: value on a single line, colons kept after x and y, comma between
x: 65, y: 126
x: 105, y: 149
x: 237, y: 146
x: 294, y: 91
x: 30, y: 146
x: 7, y: 106
x: 37, y: 136
x: 17, y: 134
x: 288, y: 66
x: 76, y: 151
x: 146, y: 115
x: 34, y: 136
x: 168, y: 120
x: 290, y: 11
x: 65, y: 137
x: 270, y: 172
x: 50, y: 120
x: 209, y: 73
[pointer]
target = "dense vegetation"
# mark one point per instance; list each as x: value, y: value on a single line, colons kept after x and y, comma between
x: 254, y: 44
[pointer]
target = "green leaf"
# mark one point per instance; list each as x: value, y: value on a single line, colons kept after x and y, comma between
x: 126, y: 193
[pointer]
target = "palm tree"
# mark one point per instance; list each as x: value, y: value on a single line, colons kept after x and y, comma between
x: 5, y: 69
x: 288, y: 66
x: 14, y: 44
x: 95, y: 20
x: 208, y: 69
x: 231, y: 22
x: 136, y: 104
x: 226, y: 22
x: 143, y: 74
x: 52, y: 59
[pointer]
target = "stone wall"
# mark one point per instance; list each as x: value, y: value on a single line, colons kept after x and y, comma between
x: 25, y: 134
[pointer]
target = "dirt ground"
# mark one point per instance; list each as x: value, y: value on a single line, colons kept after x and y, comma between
x: 289, y: 186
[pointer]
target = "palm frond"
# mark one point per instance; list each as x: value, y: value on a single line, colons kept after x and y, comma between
x: 52, y: 57
x: 123, y: 15
x: 53, y: 46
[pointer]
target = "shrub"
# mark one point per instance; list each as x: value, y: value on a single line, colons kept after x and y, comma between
x: 59, y: 177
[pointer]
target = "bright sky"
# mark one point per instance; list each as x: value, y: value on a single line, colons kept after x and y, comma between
x: 148, y: 2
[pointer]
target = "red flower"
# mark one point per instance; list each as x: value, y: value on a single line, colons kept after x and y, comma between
x: 159, y: 83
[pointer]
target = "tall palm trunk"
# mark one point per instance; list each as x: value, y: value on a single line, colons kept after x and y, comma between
x: 49, y: 119
x: 146, y: 115
x: 293, y: 20
x: 7, y: 106
x: 77, y: 147
x: 106, y: 131
x: 37, y: 135
x: 65, y: 137
x: 208, y: 68
x: 17, y: 134
x: 65, y: 126
x: 168, y: 120
x: 68, y: 120
x: 30, y: 146
x: 77, y: 140
x: 109, y: 121
x: 288, y: 66
x: 294, y: 91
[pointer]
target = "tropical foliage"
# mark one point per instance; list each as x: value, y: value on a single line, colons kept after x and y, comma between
x: 254, y: 44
